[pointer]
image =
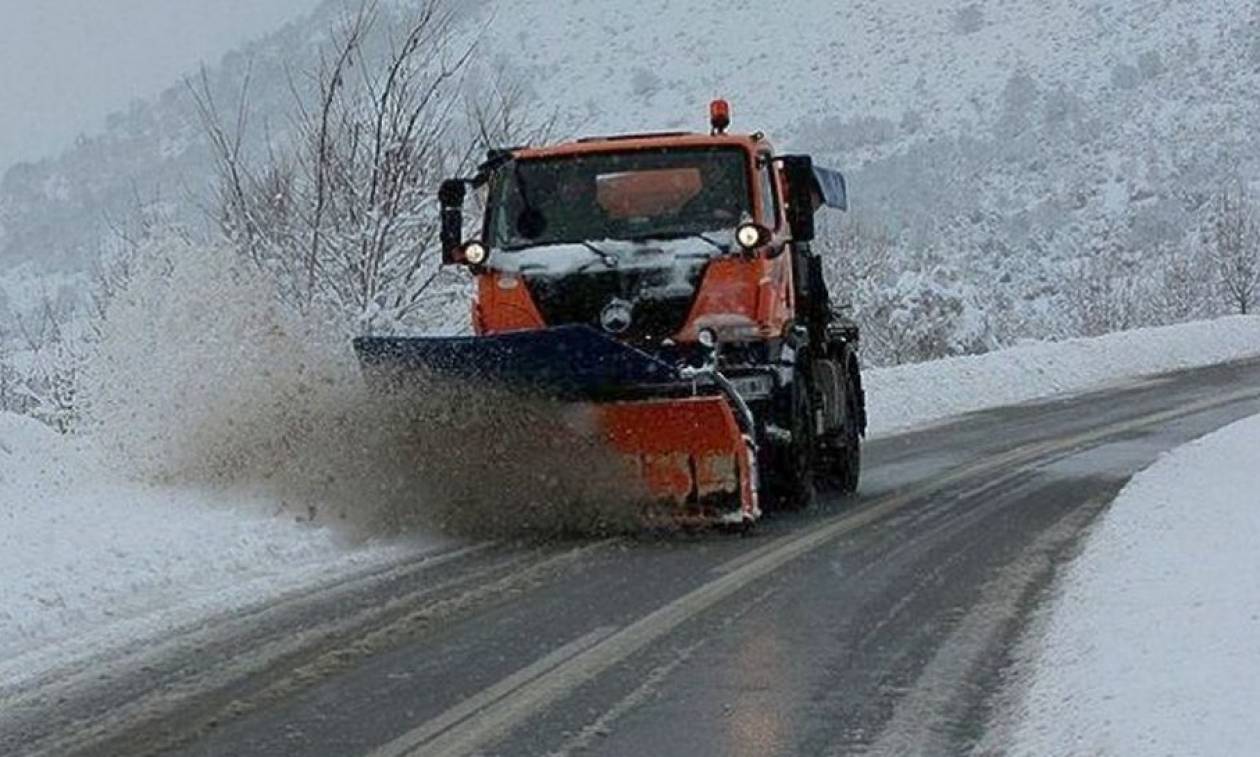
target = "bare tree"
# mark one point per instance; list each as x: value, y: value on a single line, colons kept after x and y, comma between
x: 1184, y: 289
x: 500, y: 114
x: 905, y: 312
x: 856, y: 255
x: 1235, y: 239
x: 10, y: 380
x: 1109, y: 288
x: 857, y: 265
x: 49, y: 386
x: 345, y: 212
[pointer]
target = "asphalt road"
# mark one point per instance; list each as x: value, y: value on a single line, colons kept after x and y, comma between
x: 880, y: 624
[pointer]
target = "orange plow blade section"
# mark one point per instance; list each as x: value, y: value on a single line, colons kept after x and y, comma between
x: 689, y: 452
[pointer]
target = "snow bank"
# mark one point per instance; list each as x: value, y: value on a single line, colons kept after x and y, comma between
x: 82, y: 550
x: 911, y: 395
x: 1151, y: 647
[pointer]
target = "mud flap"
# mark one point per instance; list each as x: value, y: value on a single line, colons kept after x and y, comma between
x: 691, y: 455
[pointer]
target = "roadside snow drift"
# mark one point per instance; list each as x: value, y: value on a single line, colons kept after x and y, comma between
x: 1153, y: 644
x: 83, y: 550
x: 912, y: 395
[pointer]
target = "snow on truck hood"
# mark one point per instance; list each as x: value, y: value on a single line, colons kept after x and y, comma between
x: 682, y: 255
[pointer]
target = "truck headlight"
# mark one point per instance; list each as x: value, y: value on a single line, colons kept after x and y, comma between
x: 475, y: 253
x: 751, y: 236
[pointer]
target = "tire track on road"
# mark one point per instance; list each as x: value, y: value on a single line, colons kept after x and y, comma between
x: 252, y: 664
x: 496, y: 721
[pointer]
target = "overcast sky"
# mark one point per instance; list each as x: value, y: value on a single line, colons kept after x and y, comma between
x: 66, y: 64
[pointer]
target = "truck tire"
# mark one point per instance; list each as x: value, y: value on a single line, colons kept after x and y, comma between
x: 848, y: 468
x: 791, y: 479
x: 840, y: 455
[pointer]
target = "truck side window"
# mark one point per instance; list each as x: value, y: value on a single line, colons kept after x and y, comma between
x: 769, y: 193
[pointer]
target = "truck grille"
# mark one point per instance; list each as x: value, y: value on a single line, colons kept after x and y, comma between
x: 659, y: 311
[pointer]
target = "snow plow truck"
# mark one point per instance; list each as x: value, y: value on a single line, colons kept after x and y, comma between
x: 666, y: 280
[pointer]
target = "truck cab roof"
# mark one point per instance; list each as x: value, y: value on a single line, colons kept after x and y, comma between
x: 646, y: 141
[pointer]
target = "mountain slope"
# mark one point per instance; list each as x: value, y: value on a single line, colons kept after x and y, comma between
x: 1008, y: 147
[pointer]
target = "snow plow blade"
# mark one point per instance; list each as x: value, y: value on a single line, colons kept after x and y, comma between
x: 561, y: 362
x: 690, y: 453
x: 689, y: 450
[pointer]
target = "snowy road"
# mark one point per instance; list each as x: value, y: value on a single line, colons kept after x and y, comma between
x: 878, y: 625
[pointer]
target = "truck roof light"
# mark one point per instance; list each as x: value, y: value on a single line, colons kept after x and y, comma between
x: 719, y: 116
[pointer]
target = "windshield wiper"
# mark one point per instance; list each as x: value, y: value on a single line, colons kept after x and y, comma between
x: 686, y: 235
x: 716, y: 245
x: 609, y: 259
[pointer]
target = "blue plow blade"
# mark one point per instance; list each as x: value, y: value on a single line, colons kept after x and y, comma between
x: 560, y: 361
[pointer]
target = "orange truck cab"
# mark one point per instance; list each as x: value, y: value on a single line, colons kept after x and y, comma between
x: 667, y: 279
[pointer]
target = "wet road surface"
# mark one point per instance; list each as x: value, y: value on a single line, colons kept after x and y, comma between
x: 880, y: 624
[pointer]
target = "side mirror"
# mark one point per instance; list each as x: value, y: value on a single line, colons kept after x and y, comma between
x: 451, y: 196
x: 799, y: 171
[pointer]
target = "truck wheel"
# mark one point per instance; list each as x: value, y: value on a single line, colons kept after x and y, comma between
x: 840, y: 454
x: 788, y: 467
x: 793, y: 487
x: 848, y: 460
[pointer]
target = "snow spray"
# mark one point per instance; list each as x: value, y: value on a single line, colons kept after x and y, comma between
x: 203, y: 378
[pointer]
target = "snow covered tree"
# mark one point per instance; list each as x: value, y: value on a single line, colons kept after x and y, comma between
x: 11, y: 393
x: 1185, y: 285
x: 342, y: 213
x: 1107, y: 289
x: 46, y: 388
x: 343, y: 210
x: 910, y: 303
x: 1236, y: 248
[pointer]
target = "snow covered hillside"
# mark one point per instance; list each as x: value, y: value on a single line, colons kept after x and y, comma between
x: 150, y: 160
x: 1150, y: 646
x: 1016, y: 152
x: 947, y: 63
x: 1012, y: 148
x: 61, y: 59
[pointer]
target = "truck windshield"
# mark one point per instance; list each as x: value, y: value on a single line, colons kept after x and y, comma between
x: 639, y: 194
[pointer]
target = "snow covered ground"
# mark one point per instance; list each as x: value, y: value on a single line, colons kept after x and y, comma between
x: 912, y: 395
x: 89, y: 558
x: 1151, y: 645
x: 87, y: 555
